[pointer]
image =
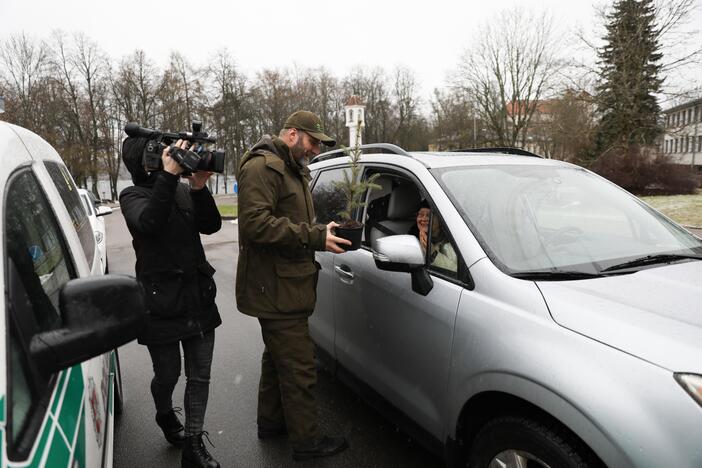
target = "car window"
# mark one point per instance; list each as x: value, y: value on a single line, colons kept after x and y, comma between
x: 391, y: 207
x: 37, y: 265
x: 327, y: 197
x: 442, y: 254
x: 88, y: 205
x: 541, y: 218
x: 69, y: 195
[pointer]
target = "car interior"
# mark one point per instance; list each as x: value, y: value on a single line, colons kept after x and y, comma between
x: 391, y: 210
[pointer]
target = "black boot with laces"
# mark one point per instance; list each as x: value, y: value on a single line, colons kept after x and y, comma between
x: 195, y: 454
x: 171, y: 426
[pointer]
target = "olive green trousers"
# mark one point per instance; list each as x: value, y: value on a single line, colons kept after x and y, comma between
x: 288, y: 377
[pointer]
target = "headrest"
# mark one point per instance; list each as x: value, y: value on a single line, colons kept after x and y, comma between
x: 403, y: 202
x: 385, y: 188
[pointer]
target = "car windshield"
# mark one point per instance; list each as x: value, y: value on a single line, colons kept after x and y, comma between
x: 539, y: 218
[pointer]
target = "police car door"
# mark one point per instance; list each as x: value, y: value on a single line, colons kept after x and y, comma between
x: 44, y: 414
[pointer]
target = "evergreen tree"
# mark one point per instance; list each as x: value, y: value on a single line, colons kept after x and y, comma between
x: 629, y: 69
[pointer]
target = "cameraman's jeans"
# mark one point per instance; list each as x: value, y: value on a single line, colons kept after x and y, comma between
x: 198, y: 361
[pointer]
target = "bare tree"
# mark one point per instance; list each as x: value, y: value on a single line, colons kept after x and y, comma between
x: 511, y: 68
x: 134, y: 88
x: 181, y: 95
x: 372, y: 87
x: 24, y: 62
x: 230, y: 107
x: 273, y: 96
x: 405, y: 93
x: 454, y: 120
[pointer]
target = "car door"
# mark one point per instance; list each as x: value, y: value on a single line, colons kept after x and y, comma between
x: 45, y: 414
x: 327, y: 204
x: 394, y: 339
x: 97, y: 382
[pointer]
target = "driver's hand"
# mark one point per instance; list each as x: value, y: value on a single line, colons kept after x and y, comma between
x: 423, y: 239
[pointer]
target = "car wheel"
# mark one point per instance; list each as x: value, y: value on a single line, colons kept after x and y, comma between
x: 119, y: 391
x: 516, y: 442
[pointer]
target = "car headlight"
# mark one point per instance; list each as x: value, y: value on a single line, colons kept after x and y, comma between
x: 98, y: 237
x: 693, y: 384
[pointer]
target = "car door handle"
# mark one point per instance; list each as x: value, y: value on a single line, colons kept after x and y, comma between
x: 343, y: 271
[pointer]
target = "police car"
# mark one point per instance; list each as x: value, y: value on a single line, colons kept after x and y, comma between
x: 63, y: 319
x: 95, y: 212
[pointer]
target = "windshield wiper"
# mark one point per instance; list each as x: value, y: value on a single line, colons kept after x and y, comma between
x: 554, y: 275
x: 651, y: 260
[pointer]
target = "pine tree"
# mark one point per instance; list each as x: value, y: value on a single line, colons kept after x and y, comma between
x: 629, y: 69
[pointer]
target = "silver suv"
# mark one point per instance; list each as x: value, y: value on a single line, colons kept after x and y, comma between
x: 551, y: 319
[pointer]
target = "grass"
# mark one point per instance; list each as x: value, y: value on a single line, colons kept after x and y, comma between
x: 683, y: 209
x: 228, y: 210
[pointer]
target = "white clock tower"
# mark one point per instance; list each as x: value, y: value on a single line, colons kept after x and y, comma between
x: 355, y: 120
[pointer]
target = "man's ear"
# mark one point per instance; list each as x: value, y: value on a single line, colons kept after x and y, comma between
x: 293, y: 134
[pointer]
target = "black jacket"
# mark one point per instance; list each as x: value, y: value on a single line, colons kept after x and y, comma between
x: 165, y: 219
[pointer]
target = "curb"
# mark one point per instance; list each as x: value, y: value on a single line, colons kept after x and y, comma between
x: 229, y: 218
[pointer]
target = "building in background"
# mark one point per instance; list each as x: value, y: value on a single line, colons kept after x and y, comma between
x: 682, y: 138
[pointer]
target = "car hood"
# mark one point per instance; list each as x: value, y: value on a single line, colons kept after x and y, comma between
x: 654, y: 314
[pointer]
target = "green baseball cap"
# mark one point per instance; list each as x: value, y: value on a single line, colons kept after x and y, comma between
x: 310, y: 123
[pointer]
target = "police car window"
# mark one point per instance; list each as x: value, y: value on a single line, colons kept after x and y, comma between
x: 37, y: 265
x: 327, y: 196
x: 88, y: 205
x: 69, y: 195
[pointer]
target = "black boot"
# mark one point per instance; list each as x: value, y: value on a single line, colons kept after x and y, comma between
x: 325, y: 447
x: 195, y: 455
x: 172, y: 428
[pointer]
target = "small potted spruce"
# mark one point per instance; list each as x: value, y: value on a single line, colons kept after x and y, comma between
x: 353, y: 189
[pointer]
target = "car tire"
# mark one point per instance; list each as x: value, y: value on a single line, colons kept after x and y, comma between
x: 119, y: 391
x: 509, y: 440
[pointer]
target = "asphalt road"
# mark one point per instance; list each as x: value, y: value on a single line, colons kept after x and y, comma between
x: 231, y: 415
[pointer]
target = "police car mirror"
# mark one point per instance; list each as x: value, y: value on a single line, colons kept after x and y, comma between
x: 103, y: 210
x: 98, y: 314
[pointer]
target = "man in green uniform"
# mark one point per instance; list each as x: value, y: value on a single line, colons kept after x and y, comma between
x: 277, y: 278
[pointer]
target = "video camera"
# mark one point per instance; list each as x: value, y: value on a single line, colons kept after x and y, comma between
x: 197, y: 158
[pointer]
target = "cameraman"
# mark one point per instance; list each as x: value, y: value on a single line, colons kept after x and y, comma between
x: 165, y: 219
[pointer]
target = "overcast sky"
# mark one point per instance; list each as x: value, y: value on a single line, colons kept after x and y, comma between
x: 428, y: 36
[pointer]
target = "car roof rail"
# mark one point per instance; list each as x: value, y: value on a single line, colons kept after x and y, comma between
x: 498, y: 149
x: 387, y: 148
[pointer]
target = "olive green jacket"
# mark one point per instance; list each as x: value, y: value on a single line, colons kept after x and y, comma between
x: 276, y: 276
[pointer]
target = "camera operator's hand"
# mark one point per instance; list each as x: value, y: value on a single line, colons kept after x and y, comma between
x: 169, y: 164
x: 333, y: 242
x: 199, y: 179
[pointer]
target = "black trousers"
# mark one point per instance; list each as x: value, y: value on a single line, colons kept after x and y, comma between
x: 198, y: 362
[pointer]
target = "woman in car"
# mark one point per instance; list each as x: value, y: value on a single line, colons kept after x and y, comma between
x: 442, y: 254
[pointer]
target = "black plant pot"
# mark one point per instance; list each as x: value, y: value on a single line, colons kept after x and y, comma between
x: 353, y: 234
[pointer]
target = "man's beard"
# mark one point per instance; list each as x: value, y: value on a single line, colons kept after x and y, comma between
x: 299, y: 153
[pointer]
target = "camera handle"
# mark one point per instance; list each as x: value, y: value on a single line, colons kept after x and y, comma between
x: 187, y: 159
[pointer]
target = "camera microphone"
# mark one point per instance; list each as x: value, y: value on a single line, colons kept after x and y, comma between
x: 133, y: 129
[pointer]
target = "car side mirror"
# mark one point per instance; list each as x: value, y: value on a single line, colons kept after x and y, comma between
x: 98, y: 313
x: 103, y: 210
x: 403, y: 253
